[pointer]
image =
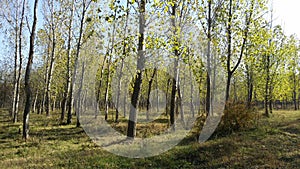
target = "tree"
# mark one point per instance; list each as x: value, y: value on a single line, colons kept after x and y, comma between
x: 68, y: 65
x: 131, y: 131
x: 124, y: 54
x: 53, y: 24
x: 176, y: 45
x: 257, y: 38
x: 109, y: 53
x: 14, y: 16
x: 292, y: 56
x: 272, y: 59
x: 244, y: 34
x: 28, y: 72
x: 85, y: 6
x: 208, y: 16
x: 18, y: 78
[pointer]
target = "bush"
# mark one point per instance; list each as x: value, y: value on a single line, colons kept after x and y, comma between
x: 236, y: 117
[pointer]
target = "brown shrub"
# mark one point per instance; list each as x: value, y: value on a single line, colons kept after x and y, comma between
x: 236, y: 117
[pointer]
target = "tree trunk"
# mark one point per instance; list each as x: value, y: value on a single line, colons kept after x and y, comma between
x: 68, y: 75
x: 52, y: 61
x: 131, y: 131
x: 17, y: 95
x: 27, y: 75
x: 271, y: 99
x: 180, y: 104
x: 71, y: 98
x: 208, y: 59
x: 298, y: 99
x: 125, y: 101
x: 54, y: 106
x: 35, y: 102
x: 122, y: 65
x: 267, y: 87
x: 157, y: 93
x: 99, y: 87
x: 191, y: 89
x: 235, y: 97
x: 180, y: 97
x: 79, y: 96
x: 230, y: 71
x: 13, y: 111
x: 119, y: 87
x: 148, y: 93
x: 109, y: 53
x: 108, y: 70
x: 229, y: 75
x: 213, y: 88
x: 229, y: 41
x: 175, y: 69
x: 249, y: 85
x: 167, y: 96
x: 107, y: 89
x: 46, y: 82
x: 49, y: 76
x: 294, y: 91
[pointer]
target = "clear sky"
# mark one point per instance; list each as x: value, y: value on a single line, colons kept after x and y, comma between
x: 287, y: 14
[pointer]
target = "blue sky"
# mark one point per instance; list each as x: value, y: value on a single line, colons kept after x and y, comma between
x: 286, y: 13
x: 4, y: 54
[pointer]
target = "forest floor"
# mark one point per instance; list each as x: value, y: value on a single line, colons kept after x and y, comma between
x: 275, y: 143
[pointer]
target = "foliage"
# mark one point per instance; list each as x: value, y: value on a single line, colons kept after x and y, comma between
x: 237, y: 116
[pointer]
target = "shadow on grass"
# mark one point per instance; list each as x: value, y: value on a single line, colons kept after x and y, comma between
x: 4, y: 116
x: 9, y: 135
x: 116, y: 142
x: 61, y: 134
x: 160, y: 120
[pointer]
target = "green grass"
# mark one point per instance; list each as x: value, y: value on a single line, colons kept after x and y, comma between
x: 274, y: 144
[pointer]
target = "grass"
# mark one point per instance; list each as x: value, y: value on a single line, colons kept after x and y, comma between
x: 275, y: 143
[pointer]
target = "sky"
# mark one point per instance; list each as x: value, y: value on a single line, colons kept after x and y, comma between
x: 287, y: 14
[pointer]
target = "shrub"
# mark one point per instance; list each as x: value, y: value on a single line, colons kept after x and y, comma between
x: 236, y: 117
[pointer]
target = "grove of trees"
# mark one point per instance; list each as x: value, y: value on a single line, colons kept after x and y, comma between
x: 50, y: 46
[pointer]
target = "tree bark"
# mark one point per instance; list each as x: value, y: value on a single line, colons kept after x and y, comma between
x: 107, y: 89
x: 35, y: 102
x: 75, y: 67
x: 167, y: 96
x: 18, y: 80
x: 13, y: 111
x: 180, y: 104
x: 27, y: 74
x: 175, y: 68
x: 52, y: 38
x: 208, y: 59
x: 249, y: 75
x: 109, y: 53
x: 148, y: 93
x: 79, y: 96
x: 131, y: 131
x: 119, y: 86
x: 124, y: 53
x: 294, y: 90
x: 230, y: 71
x: 98, y: 95
x: 191, y: 86
x: 49, y: 76
x: 68, y: 74
x: 267, y: 86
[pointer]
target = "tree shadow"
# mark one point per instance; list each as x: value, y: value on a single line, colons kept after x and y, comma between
x: 62, y: 134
